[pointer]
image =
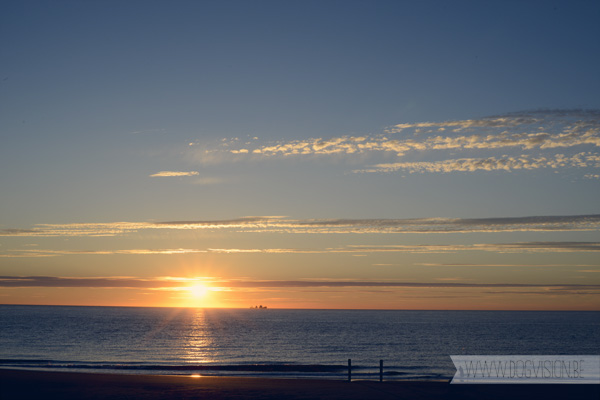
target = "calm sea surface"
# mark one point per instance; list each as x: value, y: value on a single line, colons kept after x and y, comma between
x: 290, y: 343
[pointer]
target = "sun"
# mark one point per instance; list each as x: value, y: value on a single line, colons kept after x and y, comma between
x: 198, y: 291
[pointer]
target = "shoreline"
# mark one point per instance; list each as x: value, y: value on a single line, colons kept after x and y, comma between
x: 27, y: 384
x: 266, y: 371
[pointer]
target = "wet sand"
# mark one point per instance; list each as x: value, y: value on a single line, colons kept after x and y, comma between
x: 18, y: 384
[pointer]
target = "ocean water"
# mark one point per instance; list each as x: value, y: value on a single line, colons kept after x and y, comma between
x: 287, y: 343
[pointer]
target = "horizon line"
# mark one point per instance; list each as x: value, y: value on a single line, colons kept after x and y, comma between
x: 294, y: 308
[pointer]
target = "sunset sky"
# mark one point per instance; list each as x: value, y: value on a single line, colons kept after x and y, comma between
x: 301, y: 154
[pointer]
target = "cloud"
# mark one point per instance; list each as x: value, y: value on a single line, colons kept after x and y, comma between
x: 493, y: 247
x: 537, y: 135
x: 174, y: 282
x: 442, y: 225
x: 50, y: 281
x: 356, y: 250
x: 541, y: 247
x: 580, y: 160
x: 121, y: 228
x: 358, y: 283
x: 78, y: 229
x: 18, y: 232
x: 502, y: 265
x: 528, y: 130
x: 235, y: 223
x: 572, y: 117
x: 53, y: 253
x: 269, y: 251
x: 549, y: 292
x: 26, y: 254
x: 275, y: 224
x: 207, y: 181
x: 174, y: 173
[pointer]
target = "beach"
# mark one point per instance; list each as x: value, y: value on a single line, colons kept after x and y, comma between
x: 21, y: 384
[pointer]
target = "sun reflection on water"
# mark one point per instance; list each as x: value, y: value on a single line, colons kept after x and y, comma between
x: 199, y: 346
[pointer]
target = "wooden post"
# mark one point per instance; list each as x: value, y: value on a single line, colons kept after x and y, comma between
x: 349, y: 370
x: 380, y: 370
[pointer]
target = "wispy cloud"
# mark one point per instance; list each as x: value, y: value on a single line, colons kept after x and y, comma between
x: 77, y: 229
x: 223, y: 223
x: 522, y: 247
x: 572, y: 118
x: 503, y: 265
x: 541, y: 247
x: 173, y: 282
x: 540, y: 129
x: 207, y: 181
x: 18, y: 232
x: 543, y: 139
x: 326, y: 226
x: 547, y: 292
x: 53, y: 253
x: 174, y: 173
x: 270, y: 251
x: 506, y: 163
x: 101, y: 282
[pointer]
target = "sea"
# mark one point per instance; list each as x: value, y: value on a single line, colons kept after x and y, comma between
x: 412, y: 345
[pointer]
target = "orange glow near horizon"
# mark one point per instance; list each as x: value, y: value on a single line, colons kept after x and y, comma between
x: 198, y: 293
x: 220, y: 292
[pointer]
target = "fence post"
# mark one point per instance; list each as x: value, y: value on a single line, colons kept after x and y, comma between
x: 380, y: 370
x: 349, y: 370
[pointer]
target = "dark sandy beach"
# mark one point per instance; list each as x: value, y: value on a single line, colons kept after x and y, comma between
x: 17, y: 384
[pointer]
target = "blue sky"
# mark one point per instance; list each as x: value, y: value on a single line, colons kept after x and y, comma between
x: 352, y: 116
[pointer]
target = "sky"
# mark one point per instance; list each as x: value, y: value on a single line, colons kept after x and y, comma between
x: 301, y: 154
